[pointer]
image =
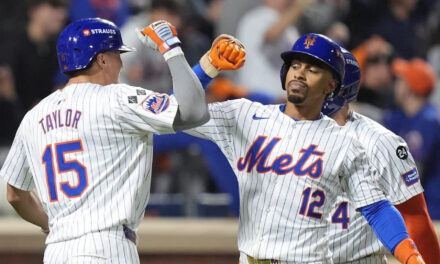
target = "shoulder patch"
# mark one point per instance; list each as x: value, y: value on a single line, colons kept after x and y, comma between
x: 402, y: 152
x: 141, y: 92
x: 132, y: 100
x: 410, y: 177
x: 156, y: 103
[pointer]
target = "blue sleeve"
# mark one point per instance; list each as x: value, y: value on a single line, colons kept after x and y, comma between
x: 386, y: 222
x: 203, y: 77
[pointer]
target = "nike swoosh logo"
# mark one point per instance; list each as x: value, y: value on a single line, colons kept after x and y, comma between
x: 255, y: 117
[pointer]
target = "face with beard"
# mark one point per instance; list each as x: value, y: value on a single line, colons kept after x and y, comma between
x: 308, y: 82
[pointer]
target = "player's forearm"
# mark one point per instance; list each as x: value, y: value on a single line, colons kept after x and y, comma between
x: 204, y: 78
x: 28, y: 206
x: 193, y: 109
x: 389, y: 227
x: 420, y: 228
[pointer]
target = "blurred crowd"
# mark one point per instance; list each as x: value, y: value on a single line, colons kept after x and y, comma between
x: 397, y: 43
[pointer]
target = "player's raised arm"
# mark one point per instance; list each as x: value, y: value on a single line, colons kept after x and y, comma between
x: 193, y: 109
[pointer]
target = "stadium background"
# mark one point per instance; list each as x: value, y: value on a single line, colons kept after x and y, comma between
x: 192, y: 213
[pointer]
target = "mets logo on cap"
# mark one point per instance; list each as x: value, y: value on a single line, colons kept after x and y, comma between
x: 309, y: 41
x: 156, y: 103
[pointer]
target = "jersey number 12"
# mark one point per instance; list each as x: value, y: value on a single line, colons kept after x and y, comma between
x: 56, y: 154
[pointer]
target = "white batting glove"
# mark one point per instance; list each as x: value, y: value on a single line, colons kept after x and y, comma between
x: 161, y: 36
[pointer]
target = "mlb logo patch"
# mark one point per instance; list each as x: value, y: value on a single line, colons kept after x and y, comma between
x: 411, y: 177
x: 86, y: 32
x: 156, y: 103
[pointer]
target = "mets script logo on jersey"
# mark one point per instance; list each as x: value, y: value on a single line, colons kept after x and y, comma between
x: 309, y: 163
x: 309, y: 41
x: 156, y: 103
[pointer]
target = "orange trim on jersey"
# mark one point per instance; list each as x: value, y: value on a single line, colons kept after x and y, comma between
x: 420, y: 228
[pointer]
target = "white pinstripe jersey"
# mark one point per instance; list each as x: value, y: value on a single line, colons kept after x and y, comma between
x: 87, y: 149
x: 388, y: 153
x: 289, y: 173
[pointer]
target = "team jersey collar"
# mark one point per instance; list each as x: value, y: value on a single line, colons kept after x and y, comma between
x: 283, y: 106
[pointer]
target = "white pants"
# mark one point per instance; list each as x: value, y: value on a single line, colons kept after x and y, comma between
x: 377, y: 259
x: 109, y: 246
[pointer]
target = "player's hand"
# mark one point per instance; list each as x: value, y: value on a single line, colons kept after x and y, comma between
x: 161, y: 36
x: 415, y: 259
x: 226, y: 53
x: 407, y: 253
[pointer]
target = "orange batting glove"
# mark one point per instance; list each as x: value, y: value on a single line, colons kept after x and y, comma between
x: 161, y: 36
x: 226, y: 53
x: 407, y: 253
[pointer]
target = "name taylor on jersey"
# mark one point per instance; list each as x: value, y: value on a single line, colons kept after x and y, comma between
x: 60, y: 118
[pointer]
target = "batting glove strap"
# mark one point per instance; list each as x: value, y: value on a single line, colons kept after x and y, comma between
x: 208, y: 68
x: 177, y: 51
x: 407, y: 253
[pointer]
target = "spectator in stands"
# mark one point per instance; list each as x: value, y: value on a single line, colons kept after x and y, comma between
x: 321, y: 15
x: 11, y: 110
x: 433, y: 52
x: 116, y: 11
x: 417, y: 121
x: 197, y: 31
x: 339, y: 32
x: 375, y: 93
x: 266, y: 31
x: 31, y: 54
x: 402, y: 23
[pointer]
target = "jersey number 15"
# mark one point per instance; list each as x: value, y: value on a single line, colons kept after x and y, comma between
x: 56, y: 154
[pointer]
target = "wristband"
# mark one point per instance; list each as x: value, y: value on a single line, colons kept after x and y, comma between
x: 173, y: 53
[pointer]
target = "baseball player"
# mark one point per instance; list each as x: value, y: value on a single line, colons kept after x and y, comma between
x: 87, y: 148
x: 292, y: 162
x: 352, y: 239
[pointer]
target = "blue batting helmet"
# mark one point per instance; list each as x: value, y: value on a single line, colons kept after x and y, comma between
x: 349, y: 87
x: 319, y: 47
x: 81, y: 40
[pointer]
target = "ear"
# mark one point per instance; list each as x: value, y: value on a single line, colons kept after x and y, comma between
x: 100, y: 59
x: 332, y: 84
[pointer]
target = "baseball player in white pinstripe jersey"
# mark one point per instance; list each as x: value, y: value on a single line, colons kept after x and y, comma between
x: 352, y: 239
x: 87, y: 148
x: 292, y: 162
